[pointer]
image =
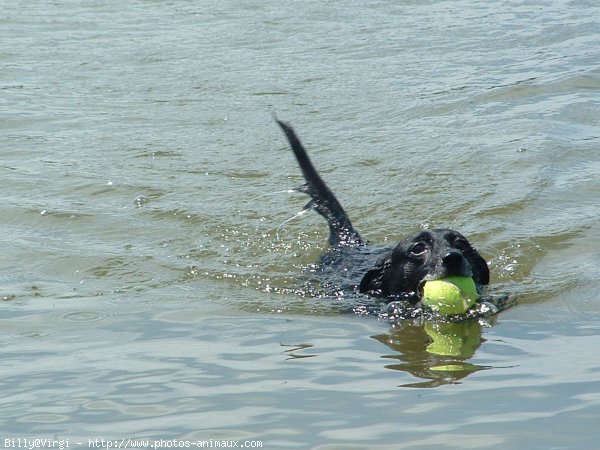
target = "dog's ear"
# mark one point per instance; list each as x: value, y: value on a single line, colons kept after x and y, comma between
x: 372, y: 281
x: 481, y: 271
x: 479, y: 267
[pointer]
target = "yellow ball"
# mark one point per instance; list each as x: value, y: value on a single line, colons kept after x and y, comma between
x: 450, y: 295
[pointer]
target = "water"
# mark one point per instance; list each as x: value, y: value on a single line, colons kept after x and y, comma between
x: 143, y: 269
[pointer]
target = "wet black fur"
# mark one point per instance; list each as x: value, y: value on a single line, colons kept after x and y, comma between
x: 392, y: 273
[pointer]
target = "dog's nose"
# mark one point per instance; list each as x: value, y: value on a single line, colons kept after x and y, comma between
x: 452, y: 260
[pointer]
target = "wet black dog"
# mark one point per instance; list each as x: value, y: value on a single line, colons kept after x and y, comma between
x: 393, y: 274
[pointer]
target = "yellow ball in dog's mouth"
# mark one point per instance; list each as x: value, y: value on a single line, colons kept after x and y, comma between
x: 450, y: 295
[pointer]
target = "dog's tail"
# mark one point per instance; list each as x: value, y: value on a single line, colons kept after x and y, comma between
x: 341, y: 231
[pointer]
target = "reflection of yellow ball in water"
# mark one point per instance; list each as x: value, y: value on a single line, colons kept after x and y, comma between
x: 450, y: 295
x: 459, y: 339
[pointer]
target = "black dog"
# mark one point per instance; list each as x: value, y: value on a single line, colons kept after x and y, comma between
x: 394, y: 274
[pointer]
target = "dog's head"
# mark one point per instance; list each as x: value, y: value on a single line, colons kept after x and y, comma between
x: 423, y: 256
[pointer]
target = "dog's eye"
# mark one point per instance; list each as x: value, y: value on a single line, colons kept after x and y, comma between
x: 418, y: 249
x: 461, y: 244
